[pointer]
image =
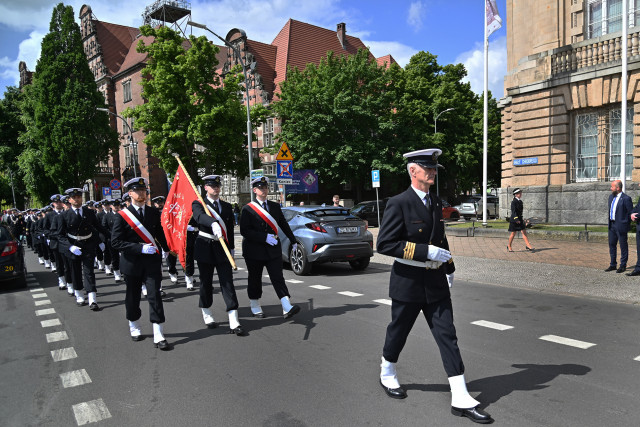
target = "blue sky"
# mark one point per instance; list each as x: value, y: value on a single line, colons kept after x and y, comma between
x: 451, y: 29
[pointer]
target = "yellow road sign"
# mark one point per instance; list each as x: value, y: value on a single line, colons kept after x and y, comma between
x: 284, y: 153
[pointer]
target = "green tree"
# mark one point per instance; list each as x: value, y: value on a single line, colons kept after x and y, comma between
x: 11, y: 127
x: 190, y: 111
x: 336, y: 117
x: 65, y: 136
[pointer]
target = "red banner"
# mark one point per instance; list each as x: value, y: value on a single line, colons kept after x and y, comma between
x: 177, y: 213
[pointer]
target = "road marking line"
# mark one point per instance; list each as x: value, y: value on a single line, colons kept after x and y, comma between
x: 57, y: 336
x: 63, y: 354
x: 294, y: 281
x: 45, y: 311
x: 321, y: 287
x: 383, y: 301
x: 34, y: 290
x: 75, y: 378
x: 50, y: 322
x: 637, y: 358
x: 265, y: 275
x: 42, y: 302
x: 240, y: 268
x: 567, y: 341
x: 350, y: 294
x: 492, y: 325
x: 41, y: 295
x: 90, y: 412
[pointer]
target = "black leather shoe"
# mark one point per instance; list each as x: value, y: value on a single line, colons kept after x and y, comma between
x: 81, y: 304
x: 94, y: 307
x: 621, y: 269
x: 610, y: 268
x: 259, y: 315
x: 136, y: 338
x: 211, y: 325
x: 163, y: 345
x: 394, y: 393
x: 476, y: 414
x: 163, y: 293
x: 294, y: 310
x: 238, y: 331
x: 634, y: 273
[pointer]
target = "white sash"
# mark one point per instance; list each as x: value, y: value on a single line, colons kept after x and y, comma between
x: 137, y: 226
x: 216, y: 216
x: 266, y: 216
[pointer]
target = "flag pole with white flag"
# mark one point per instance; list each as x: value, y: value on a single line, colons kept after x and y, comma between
x: 492, y: 23
x: 623, y: 107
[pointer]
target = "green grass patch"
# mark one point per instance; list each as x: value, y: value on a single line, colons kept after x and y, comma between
x: 502, y: 224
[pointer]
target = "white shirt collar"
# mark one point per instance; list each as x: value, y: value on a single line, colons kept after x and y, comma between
x: 213, y: 200
x: 420, y: 193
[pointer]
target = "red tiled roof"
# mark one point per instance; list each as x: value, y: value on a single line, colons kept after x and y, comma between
x: 134, y: 57
x: 265, y: 57
x: 387, y: 59
x: 115, y: 41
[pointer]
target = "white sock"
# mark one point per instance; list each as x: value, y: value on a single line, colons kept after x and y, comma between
x: 189, y: 281
x: 134, y: 328
x: 61, y: 283
x: 157, y: 333
x: 116, y: 274
x: 233, y: 319
x: 255, y: 306
x: 173, y: 277
x: 460, y: 397
x: 70, y: 288
x: 388, y: 374
x: 92, y: 297
x: 79, y: 296
x: 286, y: 305
x: 144, y: 290
x: 107, y: 269
x: 207, y: 315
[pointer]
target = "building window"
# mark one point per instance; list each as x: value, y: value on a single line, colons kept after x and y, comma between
x: 267, y: 133
x: 605, y: 16
x: 126, y: 91
x: 127, y: 155
x: 598, y: 145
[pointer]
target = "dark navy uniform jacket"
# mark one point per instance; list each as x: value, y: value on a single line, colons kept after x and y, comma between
x: 407, y: 228
x: 51, y: 225
x: 70, y: 224
x: 208, y: 250
x: 254, y: 230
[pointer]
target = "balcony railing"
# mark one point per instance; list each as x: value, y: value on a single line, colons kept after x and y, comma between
x: 599, y: 51
x: 104, y: 170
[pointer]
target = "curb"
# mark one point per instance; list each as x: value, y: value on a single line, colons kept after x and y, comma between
x: 576, y: 236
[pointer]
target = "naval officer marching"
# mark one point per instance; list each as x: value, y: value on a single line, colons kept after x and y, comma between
x: 412, y: 231
x: 137, y: 234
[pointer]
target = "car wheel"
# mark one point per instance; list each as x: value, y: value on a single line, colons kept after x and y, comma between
x: 360, y: 264
x: 300, y: 265
x: 454, y: 216
x: 21, y: 282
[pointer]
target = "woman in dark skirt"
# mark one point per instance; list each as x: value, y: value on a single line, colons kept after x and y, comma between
x: 516, y: 222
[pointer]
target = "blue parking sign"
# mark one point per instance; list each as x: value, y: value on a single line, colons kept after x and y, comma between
x: 375, y: 178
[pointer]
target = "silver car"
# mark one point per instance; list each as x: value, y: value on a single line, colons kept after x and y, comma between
x: 325, y: 234
x: 471, y: 207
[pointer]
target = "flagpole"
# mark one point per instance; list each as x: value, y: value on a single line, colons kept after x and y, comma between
x: 486, y: 120
x: 623, y: 107
x: 195, y: 190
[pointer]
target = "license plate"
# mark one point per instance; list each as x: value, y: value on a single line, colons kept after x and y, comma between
x: 342, y: 230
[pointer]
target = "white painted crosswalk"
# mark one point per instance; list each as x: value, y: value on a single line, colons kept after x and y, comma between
x: 74, y: 378
x: 39, y: 295
x: 40, y: 302
x: 90, y: 412
x: 49, y: 323
x: 57, y: 336
x: 350, y: 294
x: 63, y: 354
x: 567, y: 341
x: 45, y: 311
x: 492, y: 325
x: 321, y: 287
x: 383, y: 301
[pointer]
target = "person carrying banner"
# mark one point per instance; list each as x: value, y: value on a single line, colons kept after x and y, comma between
x: 213, y: 226
x: 138, y: 235
x: 261, y: 247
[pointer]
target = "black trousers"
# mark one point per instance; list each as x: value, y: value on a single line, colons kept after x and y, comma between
x: 171, y: 263
x: 274, y: 269
x: 60, y: 264
x: 99, y: 254
x: 225, y: 277
x: 190, y: 267
x: 115, y: 257
x: 82, y: 274
x: 133, y: 295
x: 37, y: 244
x: 439, y: 317
x: 614, y: 238
x: 29, y: 241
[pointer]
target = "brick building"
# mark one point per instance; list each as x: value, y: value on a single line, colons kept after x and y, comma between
x: 561, y: 118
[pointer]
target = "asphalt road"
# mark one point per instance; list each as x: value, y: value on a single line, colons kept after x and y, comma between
x: 320, y: 368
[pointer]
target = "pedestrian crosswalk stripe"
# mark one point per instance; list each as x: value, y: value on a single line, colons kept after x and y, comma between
x: 75, y: 378
x: 567, y: 341
x: 492, y: 325
x: 40, y: 295
x: 321, y: 287
x: 45, y: 311
x: 383, y: 301
x: 57, y: 336
x: 42, y: 302
x: 63, y: 354
x: 637, y: 358
x: 90, y: 412
x: 294, y: 281
x: 34, y: 290
x: 50, y: 322
x: 350, y: 294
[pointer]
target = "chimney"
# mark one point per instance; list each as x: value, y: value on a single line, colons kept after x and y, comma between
x: 342, y: 29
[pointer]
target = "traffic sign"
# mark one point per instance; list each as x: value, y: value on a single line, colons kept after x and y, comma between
x: 106, y: 192
x: 284, y: 169
x: 375, y: 178
x: 284, y: 153
x: 256, y: 173
x: 115, y: 184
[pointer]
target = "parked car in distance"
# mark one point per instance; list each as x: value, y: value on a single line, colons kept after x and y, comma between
x: 368, y: 211
x: 471, y: 207
x: 325, y: 234
x: 449, y: 212
x: 13, y: 270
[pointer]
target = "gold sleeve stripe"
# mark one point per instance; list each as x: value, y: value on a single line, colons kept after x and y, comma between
x: 409, y: 250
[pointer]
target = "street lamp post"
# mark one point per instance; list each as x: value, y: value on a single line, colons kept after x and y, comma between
x: 435, y: 131
x: 132, y: 143
x: 246, y: 84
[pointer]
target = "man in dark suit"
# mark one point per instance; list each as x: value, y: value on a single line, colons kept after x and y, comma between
x: 107, y: 222
x: 261, y: 247
x: 50, y: 226
x: 138, y: 236
x: 213, y: 226
x: 412, y: 231
x: 78, y: 237
x: 620, y: 207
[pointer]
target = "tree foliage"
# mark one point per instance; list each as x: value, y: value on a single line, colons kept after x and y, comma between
x: 190, y: 111
x: 10, y: 129
x: 65, y: 136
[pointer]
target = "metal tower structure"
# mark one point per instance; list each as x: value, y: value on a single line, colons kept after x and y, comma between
x: 174, y: 13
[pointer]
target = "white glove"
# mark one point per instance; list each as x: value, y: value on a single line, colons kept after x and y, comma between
x: 271, y: 239
x: 75, y: 250
x: 439, y: 254
x: 148, y: 249
x: 217, y: 231
x: 101, y: 246
x: 450, y: 279
x: 48, y: 242
x: 164, y: 254
x: 191, y: 228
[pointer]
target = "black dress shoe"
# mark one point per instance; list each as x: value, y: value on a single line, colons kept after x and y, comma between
x: 238, y: 331
x: 476, y: 415
x: 394, y: 393
x: 621, y: 269
x: 259, y: 315
x: 634, y: 273
x: 211, y: 325
x: 294, y: 310
x: 610, y: 268
x: 163, y: 345
x: 81, y: 304
x: 136, y: 338
x: 163, y: 293
x: 94, y: 307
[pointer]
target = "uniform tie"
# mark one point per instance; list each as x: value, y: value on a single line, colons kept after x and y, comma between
x: 264, y: 205
x: 141, y: 212
x: 215, y: 206
x: 78, y: 212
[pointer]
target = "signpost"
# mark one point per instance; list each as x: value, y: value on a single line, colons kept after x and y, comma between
x: 284, y: 173
x: 375, y: 183
x: 106, y: 192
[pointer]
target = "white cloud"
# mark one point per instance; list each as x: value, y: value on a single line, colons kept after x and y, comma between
x: 400, y: 52
x: 473, y: 61
x: 28, y: 51
x: 415, y: 15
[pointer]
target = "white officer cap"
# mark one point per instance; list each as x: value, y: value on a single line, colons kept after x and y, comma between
x: 213, y: 180
x: 259, y: 181
x: 136, y: 183
x: 427, y: 158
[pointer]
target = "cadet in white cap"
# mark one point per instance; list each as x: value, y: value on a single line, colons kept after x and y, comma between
x: 412, y: 231
x: 261, y: 247
x: 138, y: 235
x: 50, y: 225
